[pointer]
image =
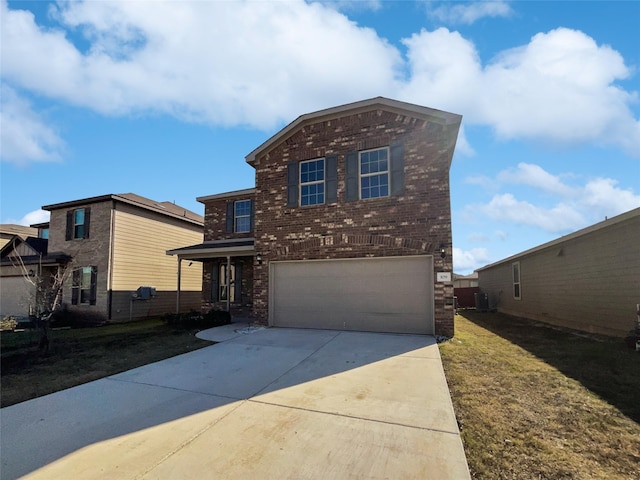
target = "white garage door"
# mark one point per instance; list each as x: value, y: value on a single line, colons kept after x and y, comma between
x: 389, y: 294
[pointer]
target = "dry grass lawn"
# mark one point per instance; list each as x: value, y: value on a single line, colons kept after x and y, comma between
x: 534, y: 402
x: 82, y: 355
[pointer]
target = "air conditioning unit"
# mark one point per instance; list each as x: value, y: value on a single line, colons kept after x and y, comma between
x: 482, y: 302
x: 145, y: 293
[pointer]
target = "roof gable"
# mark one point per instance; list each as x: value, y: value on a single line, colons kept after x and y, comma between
x: 24, y: 248
x: 377, y: 103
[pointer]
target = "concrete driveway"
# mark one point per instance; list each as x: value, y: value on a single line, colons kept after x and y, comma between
x: 273, y: 404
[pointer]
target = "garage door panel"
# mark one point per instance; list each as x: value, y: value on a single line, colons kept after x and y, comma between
x: 390, y: 294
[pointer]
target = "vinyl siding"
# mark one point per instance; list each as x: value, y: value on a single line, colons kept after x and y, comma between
x: 140, y: 243
x: 588, y: 283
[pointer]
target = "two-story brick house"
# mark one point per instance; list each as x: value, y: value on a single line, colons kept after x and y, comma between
x: 348, y: 226
x: 116, y: 244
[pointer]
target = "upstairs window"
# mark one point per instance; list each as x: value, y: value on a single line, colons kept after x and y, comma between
x: 312, y: 182
x: 78, y: 221
x: 374, y: 173
x: 239, y: 216
x: 242, y: 216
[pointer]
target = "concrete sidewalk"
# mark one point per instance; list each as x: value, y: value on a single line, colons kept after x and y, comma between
x: 272, y: 404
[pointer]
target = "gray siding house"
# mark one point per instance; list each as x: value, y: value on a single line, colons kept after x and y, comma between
x: 588, y: 280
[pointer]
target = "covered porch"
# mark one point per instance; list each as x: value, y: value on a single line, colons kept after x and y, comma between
x: 227, y: 274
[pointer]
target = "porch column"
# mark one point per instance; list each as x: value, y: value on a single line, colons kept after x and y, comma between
x: 228, y: 284
x: 178, y: 291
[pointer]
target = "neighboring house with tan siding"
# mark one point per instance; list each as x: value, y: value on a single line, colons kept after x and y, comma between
x: 588, y: 280
x: 117, y: 244
x: 348, y: 226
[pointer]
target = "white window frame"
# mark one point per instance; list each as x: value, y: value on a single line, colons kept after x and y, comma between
x: 315, y: 182
x: 386, y: 172
x: 517, y: 284
x: 237, y: 217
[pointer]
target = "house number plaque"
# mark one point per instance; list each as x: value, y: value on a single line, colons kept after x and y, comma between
x: 443, y: 276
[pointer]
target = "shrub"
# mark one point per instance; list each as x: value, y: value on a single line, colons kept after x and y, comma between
x: 76, y: 319
x: 201, y: 321
x: 8, y: 323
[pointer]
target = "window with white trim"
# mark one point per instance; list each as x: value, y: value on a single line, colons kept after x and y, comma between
x: 515, y: 268
x: 312, y: 182
x: 374, y: 173
x: 242, y: 216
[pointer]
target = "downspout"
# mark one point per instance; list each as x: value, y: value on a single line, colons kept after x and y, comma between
x: 179, y: 280
x: 228, y: 275
x: 111, y: 261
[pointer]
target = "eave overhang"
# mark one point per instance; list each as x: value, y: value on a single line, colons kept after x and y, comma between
x: 216, y: 249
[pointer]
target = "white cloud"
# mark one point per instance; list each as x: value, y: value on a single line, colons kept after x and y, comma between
x: 223, y: 63
x: 351, y: 5
x: 468, y: 260
x: 445, y: 72
x: 559, y: 88
x: 24, y: 136
x: 37, y: 216
x: 478, y: 238
x: 576, y: 205
x: 602, y: 198
x: 482, y: 180
x: 463, y: 147
x: 535, y: 176
x: 560, y: 218
x: 263, y: 63
x: 469, y: 13
x: 501, y: 235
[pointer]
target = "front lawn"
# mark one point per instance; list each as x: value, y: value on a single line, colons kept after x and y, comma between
x: 535, y: 402
x: 78, y: 356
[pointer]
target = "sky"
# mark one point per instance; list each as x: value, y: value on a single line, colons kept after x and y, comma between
x: 165, y: 99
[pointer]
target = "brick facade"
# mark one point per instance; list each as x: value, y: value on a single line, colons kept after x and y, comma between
x: 92, y: 251
x: 215, y: 228
x: 414, y: 220
x: 415, y: 223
